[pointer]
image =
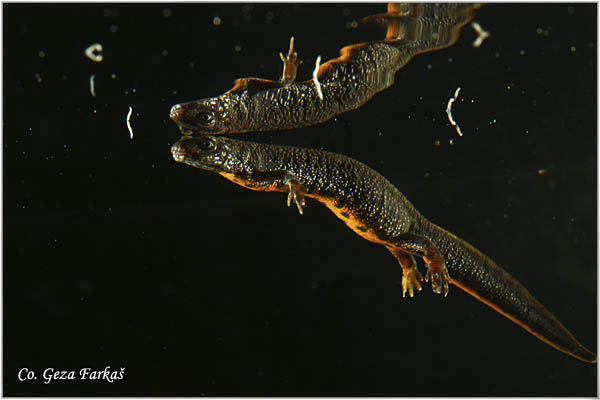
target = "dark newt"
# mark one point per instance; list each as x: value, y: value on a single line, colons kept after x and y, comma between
x: 373, y: 208
x: 347, y: 82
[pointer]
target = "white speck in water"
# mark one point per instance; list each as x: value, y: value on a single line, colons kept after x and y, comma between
x: 113, y: 76
x: 92, y: 85
x: 449, y: 59
x: 451, y: 141
x: 237, y: 48
x: 191, y: 64
x: 216, y: 21
x: 165, y: 52
x: 542, y: 171
x: 113, y: 29
x: 38, y: 78
x: 573, y: 49
x: 129, y: 123
x: 94, y: 52
x: 133, y: 90
x: 497, y: 55
x: 482, y: 35
x: 42, y: 54
x: 539, y: 31
x: 437, y: 143
x: 315, y: 78
x: 522, y: 52
x: 429, y: 66
x: 167, y: 12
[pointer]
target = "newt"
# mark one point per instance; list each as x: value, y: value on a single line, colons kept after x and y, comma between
x: 377, y: 211
x: 346, y: 82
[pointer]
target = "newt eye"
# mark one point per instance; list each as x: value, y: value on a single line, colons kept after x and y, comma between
x: 206, y: 144
x: 205, y: 118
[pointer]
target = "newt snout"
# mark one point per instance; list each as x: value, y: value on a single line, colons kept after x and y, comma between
x: 192, y: 116
x: 181, y: 116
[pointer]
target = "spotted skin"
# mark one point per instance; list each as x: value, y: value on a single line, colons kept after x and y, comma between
x: 373, y: 208
x: 347, y: 82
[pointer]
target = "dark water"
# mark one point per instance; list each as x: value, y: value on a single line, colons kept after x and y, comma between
x: 115, y: 255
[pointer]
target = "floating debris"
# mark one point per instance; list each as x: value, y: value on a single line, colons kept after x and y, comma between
x: 449, y: 111
x: 94, y: 52
x: 129, y: 122
x: 315, y: 79
x: 92, y: 88
x: 482, y: 34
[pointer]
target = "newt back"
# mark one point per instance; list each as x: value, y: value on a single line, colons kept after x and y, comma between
x: 346, y: 82
x: 376, y: 210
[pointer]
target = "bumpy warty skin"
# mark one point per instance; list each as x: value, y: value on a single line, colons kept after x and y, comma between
x: 341, y: 182
x: 348, y: 82
x: 347, y: 182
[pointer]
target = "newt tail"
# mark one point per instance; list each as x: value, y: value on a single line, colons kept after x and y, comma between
x: 376, y: 210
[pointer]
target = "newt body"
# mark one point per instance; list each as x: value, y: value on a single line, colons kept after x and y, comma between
x: 377, y: 211
x: 347, y: 82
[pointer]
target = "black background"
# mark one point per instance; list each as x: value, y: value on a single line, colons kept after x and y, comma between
x: 115, y: 255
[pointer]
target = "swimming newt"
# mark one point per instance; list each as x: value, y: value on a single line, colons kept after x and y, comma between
x: 376, y: 210
x: 346, y: 82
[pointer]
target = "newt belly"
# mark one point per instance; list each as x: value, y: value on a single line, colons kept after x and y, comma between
x: 344, y: 213
x: 376, y: 210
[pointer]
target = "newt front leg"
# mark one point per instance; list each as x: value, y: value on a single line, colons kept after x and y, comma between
x: 290, y: 65
x: 278, y: 180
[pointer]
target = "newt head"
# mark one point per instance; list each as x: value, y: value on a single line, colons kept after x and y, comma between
x: 208, y: 116
x: 210, y: 153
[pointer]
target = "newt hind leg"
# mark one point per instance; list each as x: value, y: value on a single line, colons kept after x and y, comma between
x: 420, y: 246
x: 411, y: 276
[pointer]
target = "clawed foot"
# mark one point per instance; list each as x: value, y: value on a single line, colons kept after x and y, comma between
x: 296, y: 192
x: 290, y: 65
x: 438, y: 274
x: 410, y: 281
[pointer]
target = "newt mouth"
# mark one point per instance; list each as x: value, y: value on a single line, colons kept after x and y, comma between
x: 179, y: 115
x: 187, y: 131
x: 178, y: 156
